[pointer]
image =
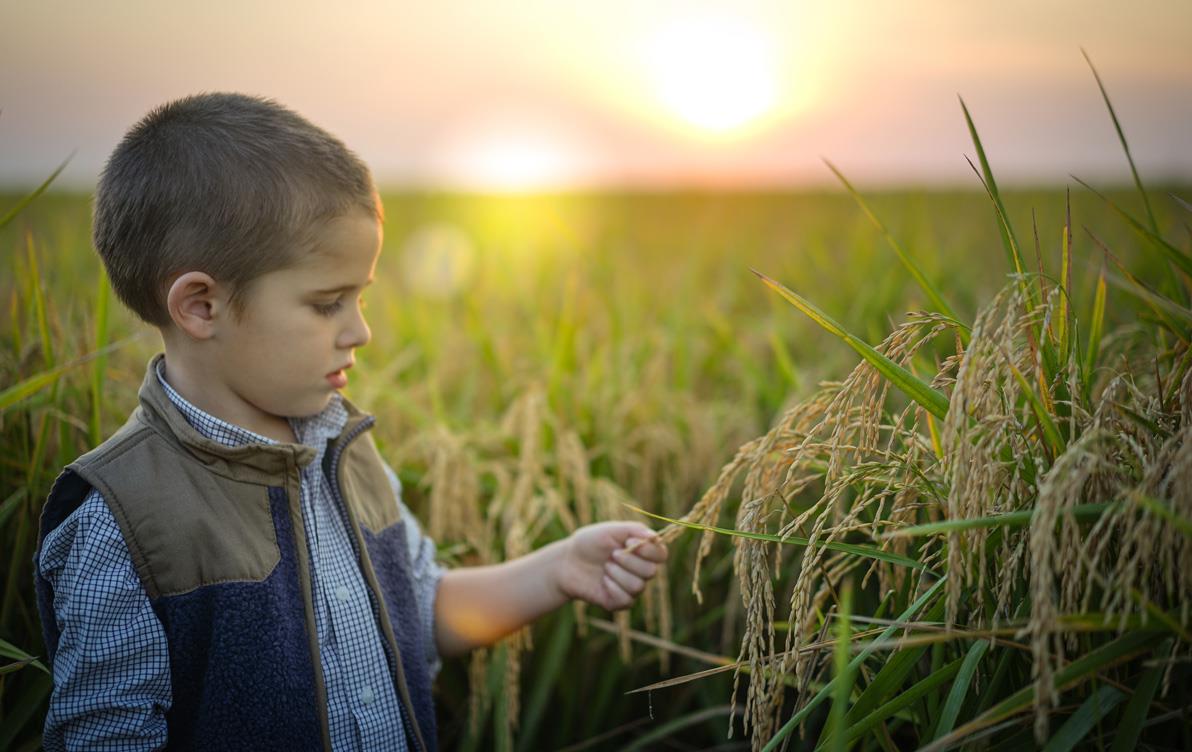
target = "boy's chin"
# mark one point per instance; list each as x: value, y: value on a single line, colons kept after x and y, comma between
x: 312, y: 407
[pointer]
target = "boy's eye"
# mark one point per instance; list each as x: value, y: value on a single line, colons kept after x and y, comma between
x: 329, y: 309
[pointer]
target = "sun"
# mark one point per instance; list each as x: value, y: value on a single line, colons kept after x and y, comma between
x: 715, y: 74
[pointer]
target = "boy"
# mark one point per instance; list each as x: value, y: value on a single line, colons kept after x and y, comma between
x: 234, y: 568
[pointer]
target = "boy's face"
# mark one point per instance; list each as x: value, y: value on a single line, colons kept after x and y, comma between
x: 289, y: 350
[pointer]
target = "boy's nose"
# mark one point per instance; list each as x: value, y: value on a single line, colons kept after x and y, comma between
x: 357, y: 334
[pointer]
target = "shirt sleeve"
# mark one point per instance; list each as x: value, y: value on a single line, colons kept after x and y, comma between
x: 425, y: 572
x: 111, y: 670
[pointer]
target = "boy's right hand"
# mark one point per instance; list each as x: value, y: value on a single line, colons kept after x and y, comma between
x: 608, y: 564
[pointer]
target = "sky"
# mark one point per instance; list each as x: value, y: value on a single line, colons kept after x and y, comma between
x: 550, y: 94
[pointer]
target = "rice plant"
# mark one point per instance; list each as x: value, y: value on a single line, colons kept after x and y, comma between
x: 1025, y: 510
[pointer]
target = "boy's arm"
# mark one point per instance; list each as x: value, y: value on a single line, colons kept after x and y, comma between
x: 111, y: 668
x: 605, y: 564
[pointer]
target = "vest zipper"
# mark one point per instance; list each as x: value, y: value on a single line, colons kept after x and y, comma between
x: 393, y: 653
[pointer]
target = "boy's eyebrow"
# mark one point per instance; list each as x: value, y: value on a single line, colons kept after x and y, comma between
x: 341, y: 288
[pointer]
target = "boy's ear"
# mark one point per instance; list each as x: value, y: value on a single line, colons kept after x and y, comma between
x: 195, y: 303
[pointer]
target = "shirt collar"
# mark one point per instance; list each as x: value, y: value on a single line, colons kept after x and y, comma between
x: 312, y: 430
x: 267, y: 464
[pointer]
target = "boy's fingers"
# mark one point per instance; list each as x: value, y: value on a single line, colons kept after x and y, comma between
x: 629, y: 582
x: 635, y: 563
x: 646, y: 548
x: 618, y: 598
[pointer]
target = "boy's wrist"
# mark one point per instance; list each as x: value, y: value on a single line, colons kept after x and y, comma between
x: 554, y: 565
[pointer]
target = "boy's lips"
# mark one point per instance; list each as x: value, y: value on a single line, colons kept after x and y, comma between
x: 338, y: 379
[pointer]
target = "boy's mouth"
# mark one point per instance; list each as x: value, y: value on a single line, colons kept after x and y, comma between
x: 338, y: 379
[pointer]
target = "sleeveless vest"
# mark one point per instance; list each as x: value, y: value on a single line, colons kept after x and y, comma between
x: 217, y: 539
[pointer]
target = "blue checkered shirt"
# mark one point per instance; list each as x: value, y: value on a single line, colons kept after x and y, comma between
x: 112, y: 670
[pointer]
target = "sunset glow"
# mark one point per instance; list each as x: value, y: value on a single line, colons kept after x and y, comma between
x: 511, y: 157
x: 712, y: 73
x: 542, y: 95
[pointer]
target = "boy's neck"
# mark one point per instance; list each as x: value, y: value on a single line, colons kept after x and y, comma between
x: 201, y: 386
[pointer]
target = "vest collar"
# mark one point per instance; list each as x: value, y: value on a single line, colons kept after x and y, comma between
x: 256, y: 462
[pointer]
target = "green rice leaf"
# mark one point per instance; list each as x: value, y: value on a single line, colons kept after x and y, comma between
x: 26, y: 388
x: 99, y: 367
x: 956, y: 695
x: 1065, y: 325
x: 793, y: 540
x: 933, y: 295
x: 900, y: 701
x: 1129, y: 727
x: 1009, y: 241
x: 666, y: 730
x: 920, y: 391
x: 1021, y: 518
x: 910, y: 612
x: 1051, y: 433
x: 20, y: 205
x: 1158, y: 508
x: 892, y: 674
x: 842, y: 675
x: 1081, y: 722
x: 1169, y: 251
x: 1117, y: 126
x: 1163, y: 306
x: 8, y: 650
x: 1078, y: 671
x: 12, y: 503
x: 22, y: 390
x: 31, y: 698
x: 1096, y: 331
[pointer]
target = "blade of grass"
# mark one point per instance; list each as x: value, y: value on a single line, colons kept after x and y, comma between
x: 843, y: 676
x: 1158, y: 508
x: 32, y: 697
x: 1021, y: 518
x: 920, y: 391
x: 1129, y: 728
x: 849, y: 548
x: 20, y: 205
x: 8, y: 650
x: 1096, y: 331
x: 1080, y: 670
x: 956, y: 695
x: 12, y: 503
x: 1009, y: 241
x: 898, y: 702
x: 99, y: 366
x: 669, y: 728
x: 893, y: 673
x: 1096, y: 707
x: 1169, y: 251
x: 1065, y: 326
x: 933, y: 295
x: 1051, y: 433
x: 794, y: 721
x: 1117, y: 126
x: 26, y: 388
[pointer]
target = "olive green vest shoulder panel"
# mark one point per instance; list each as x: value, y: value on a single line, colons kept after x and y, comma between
x: 366, y: 485
x: 186, y: 524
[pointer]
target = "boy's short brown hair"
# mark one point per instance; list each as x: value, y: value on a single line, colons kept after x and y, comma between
x: 228, y: 184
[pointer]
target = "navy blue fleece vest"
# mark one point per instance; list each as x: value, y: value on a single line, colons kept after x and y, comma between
x: 216, y: 537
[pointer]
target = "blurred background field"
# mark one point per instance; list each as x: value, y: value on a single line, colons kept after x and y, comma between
x: 561, y: 353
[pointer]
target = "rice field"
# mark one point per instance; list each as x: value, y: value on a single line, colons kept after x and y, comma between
x: 922, y: 457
